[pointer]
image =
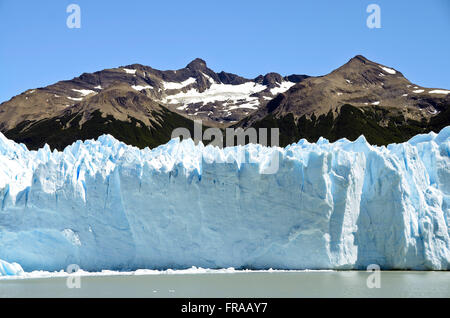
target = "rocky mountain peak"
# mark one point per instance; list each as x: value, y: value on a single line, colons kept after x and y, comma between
x: 361, y: 72
x: 141, y: 98
x: 360, y: 59
x: 358, y: 64
x: 272, y: 79
x: 364, y: 85
x: 197, y: 65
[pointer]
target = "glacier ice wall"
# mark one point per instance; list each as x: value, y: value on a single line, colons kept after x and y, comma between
x: 105, y: 205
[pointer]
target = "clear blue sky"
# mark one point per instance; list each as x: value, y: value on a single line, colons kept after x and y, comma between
x: 247, y: 37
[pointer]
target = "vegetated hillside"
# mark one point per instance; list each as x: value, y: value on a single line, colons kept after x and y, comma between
x: 352, y: 122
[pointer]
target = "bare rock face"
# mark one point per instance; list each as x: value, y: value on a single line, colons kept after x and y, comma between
x: 197, y: 65
x: 195, y: 91
x: 361, y: 83
x: 152, y: 100
x: 119, y: 101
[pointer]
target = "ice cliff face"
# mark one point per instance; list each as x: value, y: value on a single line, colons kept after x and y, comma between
x: 105, y: 205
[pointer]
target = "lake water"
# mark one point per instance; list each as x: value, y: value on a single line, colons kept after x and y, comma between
x: 237, y: 284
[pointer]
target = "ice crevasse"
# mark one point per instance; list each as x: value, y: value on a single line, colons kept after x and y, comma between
x: 102, y: 204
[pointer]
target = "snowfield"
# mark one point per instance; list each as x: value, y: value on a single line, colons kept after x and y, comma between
x: 107, y: 206
x: 388, y: 70
x: 218, y: 92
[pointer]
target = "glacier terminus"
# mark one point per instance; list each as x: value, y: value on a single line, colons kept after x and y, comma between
x: 102, y: 204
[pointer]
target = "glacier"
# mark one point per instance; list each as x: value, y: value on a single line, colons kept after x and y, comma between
x: 104, y: 205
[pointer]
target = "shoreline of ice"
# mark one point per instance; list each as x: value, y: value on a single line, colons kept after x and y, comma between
x: 191, y: 271
x: 141, y: 272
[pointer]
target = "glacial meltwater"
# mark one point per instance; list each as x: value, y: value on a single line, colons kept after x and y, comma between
x: 233, y: 284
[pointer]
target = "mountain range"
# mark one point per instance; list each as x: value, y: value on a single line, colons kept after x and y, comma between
x: 141, y: 105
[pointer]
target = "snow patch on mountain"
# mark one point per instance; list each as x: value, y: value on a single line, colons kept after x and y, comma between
x: 175, y: 85
x: 84, y: 92
x: 141, y: 87
x: 439, y: 91
x: 75, y: 98
x: 217, y: 92
x: 388, y: 70
x: 250, y: 105
x: 129, y: 71
x: 284, y: 86
x: 209, y: 78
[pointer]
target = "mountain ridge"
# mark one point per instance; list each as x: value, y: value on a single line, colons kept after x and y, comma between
x: 384, y: 105
x: 359, y: 82
x: 382, y: 98
x: 229, y: 96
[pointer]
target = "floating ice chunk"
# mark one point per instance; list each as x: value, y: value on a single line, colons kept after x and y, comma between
x: 10, y: 269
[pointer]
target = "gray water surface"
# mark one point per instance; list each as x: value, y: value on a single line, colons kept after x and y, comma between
x: 240, y: 284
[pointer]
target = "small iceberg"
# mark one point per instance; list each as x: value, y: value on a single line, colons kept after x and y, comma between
x: 10, y: 269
